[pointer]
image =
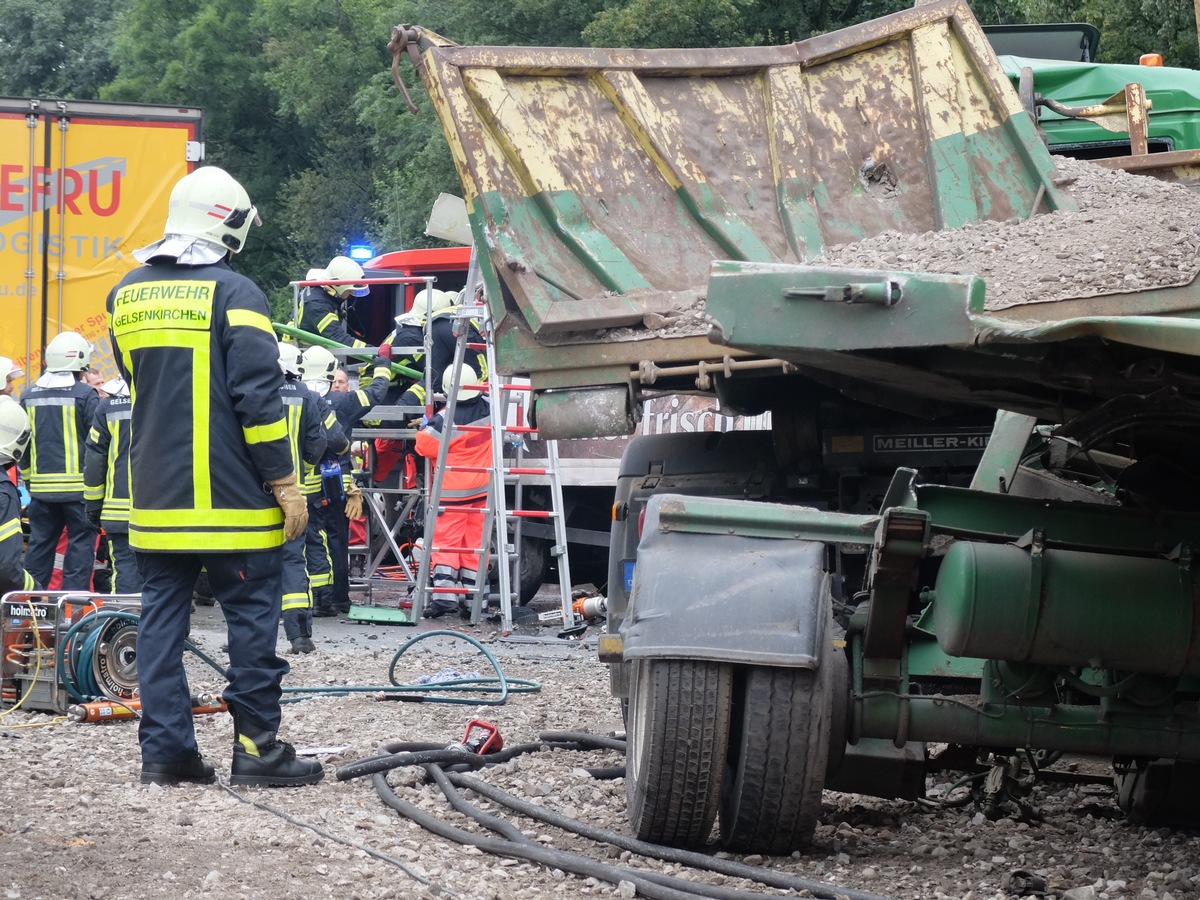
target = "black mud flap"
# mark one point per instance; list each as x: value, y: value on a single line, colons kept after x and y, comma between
x: 725, y: 597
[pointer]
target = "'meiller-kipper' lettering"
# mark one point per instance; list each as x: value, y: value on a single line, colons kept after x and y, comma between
x: 902, y: 442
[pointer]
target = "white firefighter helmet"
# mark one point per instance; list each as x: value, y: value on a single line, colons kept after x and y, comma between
x: 317, y: 368
x: 211, y: 205
x: 115, y: 387
x: 14, y: 430
x: 440, y: 300
x: 343, y: 268
x: 68, y: 352
x: 289, y: 358
x: 8, y: 371
x: 467, y: 379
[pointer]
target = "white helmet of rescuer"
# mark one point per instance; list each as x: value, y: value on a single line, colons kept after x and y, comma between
x: 14, y: 430
x: 441, y: 300
x: 289, y: 358
x: 343, y: 268
x: 115, y: 387
x: 68, y: 352
x: 209, y: 214
x: 318, y: 367
x: 9, y: 372
x: 467, y: 379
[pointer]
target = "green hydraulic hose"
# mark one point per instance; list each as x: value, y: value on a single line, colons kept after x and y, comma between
x: 366, y: 354
x: 428, y: 693
x: 81, y: 686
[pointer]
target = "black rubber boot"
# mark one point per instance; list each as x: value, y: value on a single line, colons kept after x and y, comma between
x: 193, y: 770
x: 259, y: 758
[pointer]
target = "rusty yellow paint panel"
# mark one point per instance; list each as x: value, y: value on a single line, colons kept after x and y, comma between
x: 603, y: 184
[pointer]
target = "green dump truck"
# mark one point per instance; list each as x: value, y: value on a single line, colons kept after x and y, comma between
x: 914, y: 553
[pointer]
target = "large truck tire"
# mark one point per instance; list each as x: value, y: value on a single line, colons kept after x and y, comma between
x: 678, y: 733
x: 533, y: 567
x: 775, y: 768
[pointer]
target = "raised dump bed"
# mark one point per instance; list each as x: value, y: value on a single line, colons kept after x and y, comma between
x: 602, y: 184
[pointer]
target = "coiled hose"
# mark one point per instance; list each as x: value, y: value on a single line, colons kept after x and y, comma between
x: 75, y: 656
x: 513, y: 843
x: 501, y: 685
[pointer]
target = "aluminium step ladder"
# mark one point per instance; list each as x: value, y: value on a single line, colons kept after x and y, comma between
x: 499, y: 520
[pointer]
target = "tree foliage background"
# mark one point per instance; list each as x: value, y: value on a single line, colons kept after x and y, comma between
x: 300, y: 106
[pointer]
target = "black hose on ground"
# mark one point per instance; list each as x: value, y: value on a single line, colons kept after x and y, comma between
x: 668, y: 854
x: 453, y: 756
x: 516, y: 844
x: 534, y: 852
x: 587, y: 739
x: 605, y: 773
x: 417, y: 753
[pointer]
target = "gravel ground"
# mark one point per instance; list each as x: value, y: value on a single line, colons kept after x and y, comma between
x: 77, y: 824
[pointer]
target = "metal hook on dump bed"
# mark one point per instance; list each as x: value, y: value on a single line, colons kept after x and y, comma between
x: 405, y: 37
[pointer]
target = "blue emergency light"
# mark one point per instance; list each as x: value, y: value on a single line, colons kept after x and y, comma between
x: 361, y: 252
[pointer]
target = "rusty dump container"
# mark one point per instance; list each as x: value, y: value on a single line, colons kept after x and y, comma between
x: 603, y: 183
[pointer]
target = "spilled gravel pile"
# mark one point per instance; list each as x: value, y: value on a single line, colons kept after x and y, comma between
x: 77, y: 824
x: 1131, y: 232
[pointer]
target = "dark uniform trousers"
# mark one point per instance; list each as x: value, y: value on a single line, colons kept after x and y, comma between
x: 297, y: 596
x: 339, y: 553
x: 320, y: 552
x: 47, y: 518
x: 127, y: 579
x: 248, y: 587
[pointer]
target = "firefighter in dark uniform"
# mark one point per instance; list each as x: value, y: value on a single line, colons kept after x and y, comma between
x: 61, y: 407
x: 318, y: 368
x: 439, y: 311
x: 442, y: 311
x: 214, y: 484
x: 14, y: 438
x: 310, y: 436
x: 323, y: 309
x: 106, y: 482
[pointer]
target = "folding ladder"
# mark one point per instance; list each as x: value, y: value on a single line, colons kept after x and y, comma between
x: 507, y: 470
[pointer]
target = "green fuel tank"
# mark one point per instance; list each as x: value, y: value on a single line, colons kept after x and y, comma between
x: 1067, y: 608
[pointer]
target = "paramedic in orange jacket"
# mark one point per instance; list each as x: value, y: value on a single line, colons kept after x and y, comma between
x: 464, y: 493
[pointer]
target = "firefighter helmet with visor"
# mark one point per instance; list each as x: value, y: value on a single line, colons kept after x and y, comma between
x: 210, y: 204
x: 317, y: 368
x: 289, y: 358
x: 343, y: 268
x: 68, y: 352
x: 14, y: 430
x: 467, y: 381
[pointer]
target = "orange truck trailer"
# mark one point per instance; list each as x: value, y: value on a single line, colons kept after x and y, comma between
x: 82, y: 185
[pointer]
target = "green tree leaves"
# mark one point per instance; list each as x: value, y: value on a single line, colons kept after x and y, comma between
x: 300, y: 106
x: 56, y: 48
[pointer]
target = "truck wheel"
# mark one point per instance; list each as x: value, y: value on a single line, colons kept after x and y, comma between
x: 677, y: 739
x: 532, y: 568
x: 776, y: 766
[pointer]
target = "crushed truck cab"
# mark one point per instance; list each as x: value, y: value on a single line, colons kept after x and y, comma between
x: 971, y: 521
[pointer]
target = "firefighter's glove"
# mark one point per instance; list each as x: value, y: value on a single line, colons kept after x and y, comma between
x: 292, y: 502
x: 94, y: 508
x: 354, y: 501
